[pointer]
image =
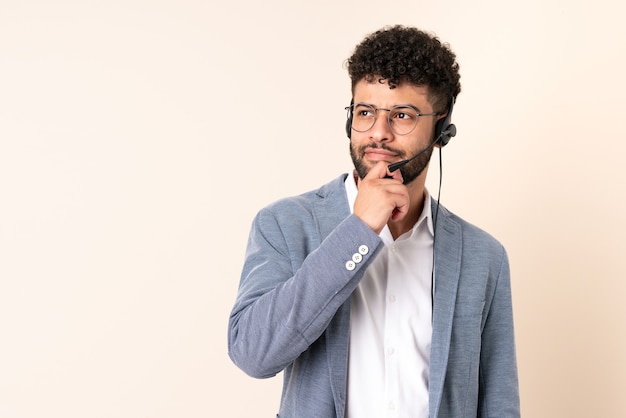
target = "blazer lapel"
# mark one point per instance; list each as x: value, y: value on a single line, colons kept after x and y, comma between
x: 331, y: 207
x: 448, y: 247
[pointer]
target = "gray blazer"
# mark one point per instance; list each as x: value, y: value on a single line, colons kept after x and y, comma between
x: 292, y: 311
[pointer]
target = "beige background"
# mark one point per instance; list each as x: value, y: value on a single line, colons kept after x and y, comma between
x: 139, y: 138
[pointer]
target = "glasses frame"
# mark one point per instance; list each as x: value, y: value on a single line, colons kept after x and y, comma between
x: 350, y: 110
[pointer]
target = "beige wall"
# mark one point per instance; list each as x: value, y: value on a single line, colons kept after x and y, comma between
x: 138, y: 139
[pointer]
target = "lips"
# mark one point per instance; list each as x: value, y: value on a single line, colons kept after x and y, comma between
x: 379, y: 154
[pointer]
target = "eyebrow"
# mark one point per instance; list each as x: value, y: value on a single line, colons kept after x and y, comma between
x: 384, y: 108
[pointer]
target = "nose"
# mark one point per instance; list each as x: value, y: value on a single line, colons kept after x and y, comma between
x: 381, y: 131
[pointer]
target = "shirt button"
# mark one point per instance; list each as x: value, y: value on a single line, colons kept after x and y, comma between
x: 363, y: 249
x: 357, y: 258
x: 350, y: 265
x: 390, y: 351
x: 392, y: 298
x: 392, y: 406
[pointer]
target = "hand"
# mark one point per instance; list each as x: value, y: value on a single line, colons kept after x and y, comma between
x: 381, y: 199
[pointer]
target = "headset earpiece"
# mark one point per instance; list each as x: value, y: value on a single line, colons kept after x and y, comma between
x: 445, y: 129
x: 349, y: 119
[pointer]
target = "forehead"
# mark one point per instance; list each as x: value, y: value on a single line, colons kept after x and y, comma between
x: 380, y: 95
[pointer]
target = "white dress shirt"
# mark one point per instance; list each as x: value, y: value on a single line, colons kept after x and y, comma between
x: 391, y: 326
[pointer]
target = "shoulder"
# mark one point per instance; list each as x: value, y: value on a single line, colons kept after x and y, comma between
x: 475, y: 240
x: 303, y: 204
x: 315, y: 211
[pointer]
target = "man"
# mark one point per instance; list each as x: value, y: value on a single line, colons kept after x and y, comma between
x: 372, y: 298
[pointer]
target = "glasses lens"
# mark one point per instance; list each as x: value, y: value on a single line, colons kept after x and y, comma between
x: 402, y: 119
x: 363, y: 118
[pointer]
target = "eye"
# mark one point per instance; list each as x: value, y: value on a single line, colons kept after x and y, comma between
x: 403, y: 114
x: 364, y: 112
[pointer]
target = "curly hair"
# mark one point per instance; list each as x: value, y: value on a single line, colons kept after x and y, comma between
x: 400, y: 54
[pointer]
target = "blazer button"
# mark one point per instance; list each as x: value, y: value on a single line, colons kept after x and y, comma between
x: 357, y: 258
x: 350, y: 265
x: 363, y: 249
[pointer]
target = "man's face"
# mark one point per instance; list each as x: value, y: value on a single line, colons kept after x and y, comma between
x: 380, y: 142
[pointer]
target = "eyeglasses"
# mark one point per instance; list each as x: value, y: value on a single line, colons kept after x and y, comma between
x: 402, y: 119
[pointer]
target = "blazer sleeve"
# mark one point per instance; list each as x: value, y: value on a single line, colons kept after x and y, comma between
x: 291, y: 287
x: 499, y: 391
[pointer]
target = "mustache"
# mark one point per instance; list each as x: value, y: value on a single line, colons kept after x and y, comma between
x: 385, y: 147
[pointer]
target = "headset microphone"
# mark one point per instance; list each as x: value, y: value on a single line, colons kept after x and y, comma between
x: 442, y: 138
x: 397, y: 165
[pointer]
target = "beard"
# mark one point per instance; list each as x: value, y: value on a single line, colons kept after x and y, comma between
x: 410, y: 171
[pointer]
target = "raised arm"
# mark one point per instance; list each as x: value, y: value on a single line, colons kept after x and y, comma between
x: 292, y: 285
